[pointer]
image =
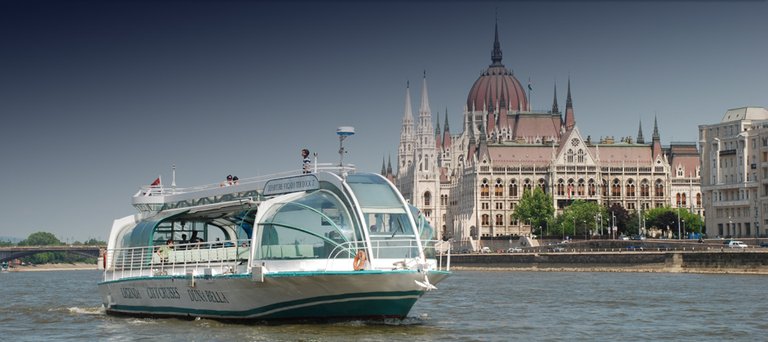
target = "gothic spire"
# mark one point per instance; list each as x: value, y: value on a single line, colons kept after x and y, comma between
x: 408, y: 113
x: 383, y: 169
x: 437, y: 128
x: 389, y: 165
x: 424, y: 97
x: 655, y: 130
x: 640, y: 139
x: 496, y: 53
x: 570, y: 120
x: 446, y: 120
x: 555, y: 108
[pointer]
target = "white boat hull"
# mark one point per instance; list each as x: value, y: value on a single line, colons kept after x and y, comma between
x: 281, y: 296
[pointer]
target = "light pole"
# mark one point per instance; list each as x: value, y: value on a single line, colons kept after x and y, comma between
x: 613, y: 226
x: 585, y: 229
x: 683, y: 220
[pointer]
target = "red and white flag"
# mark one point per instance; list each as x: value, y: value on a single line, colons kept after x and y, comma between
x: 157, y: 182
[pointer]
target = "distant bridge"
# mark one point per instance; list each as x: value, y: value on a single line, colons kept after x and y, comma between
x: 10, y: 253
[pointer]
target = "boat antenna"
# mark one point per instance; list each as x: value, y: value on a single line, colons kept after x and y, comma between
x: 173, y: 177
x: 343, y: 132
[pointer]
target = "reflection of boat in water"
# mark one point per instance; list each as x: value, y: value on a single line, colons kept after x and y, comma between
x: 272, y: 248
x: 4, y: 267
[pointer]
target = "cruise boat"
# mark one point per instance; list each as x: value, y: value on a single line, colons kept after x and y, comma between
x: 333, y: 244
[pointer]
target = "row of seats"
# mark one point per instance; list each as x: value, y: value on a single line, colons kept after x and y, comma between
x: 200, y: 255
x: 287, y: 251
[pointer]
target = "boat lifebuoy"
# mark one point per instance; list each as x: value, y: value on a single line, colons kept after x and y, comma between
x: 359, y: 262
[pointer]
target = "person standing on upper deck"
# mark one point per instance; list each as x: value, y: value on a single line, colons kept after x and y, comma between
x: 306, y: 163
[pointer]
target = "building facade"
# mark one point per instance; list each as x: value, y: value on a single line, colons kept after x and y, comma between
x: 734, y: 161
x: 469, y: 183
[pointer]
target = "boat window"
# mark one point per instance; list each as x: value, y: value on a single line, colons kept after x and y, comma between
x: 427, y: 233
x: 373, y: 191
x: 313, y: 226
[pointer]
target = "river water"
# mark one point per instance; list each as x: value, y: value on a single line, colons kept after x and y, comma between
x: 469, y: 306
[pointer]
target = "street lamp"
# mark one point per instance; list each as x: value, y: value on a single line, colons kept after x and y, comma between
x: 585, y: 229
x: 683, y: 220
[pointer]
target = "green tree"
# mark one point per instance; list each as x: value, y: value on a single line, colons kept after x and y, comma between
x: 581, y: 217
x: 41, y: 239
x: 536, y: 208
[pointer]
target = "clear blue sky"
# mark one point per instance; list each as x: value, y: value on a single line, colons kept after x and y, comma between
x: 100, y: 97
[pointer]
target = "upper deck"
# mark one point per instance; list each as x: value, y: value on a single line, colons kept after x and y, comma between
x: 158, y: 198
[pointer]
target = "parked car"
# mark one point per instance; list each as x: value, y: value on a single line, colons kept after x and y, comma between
x: 764, y: 244
x: 514, y: 250
x: 556, y: 249
x: 485, y: 250
x: 736, y: 244
x: 637, y: 237
x: 623, y: 237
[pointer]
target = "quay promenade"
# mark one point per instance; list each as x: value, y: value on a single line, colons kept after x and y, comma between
x: 622, y: 256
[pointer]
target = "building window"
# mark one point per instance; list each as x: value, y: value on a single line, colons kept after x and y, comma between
x: 512, y: 188
x: 581, y: 156
x: 698, y: 200
x: 443, y: 199
x: 630, y: 188
x: 484, y: 189
x: 485, y: 206
x: 485, y: 220
x: 591, y: 186
x: 499, y: 205
x: 543, y: 185
x: 569, y: 156
x: 560, y: 187
x: 644, y: 188
x: 683, y: 201
x: 527, y: 185
x: 427, y: 198
x: 616, y: 188
x: 659, y: 188
x: 499, y: 219
x: 498, y: 188
x: 580, y: 187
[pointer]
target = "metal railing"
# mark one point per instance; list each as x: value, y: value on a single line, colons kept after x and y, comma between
x: 220, y: 257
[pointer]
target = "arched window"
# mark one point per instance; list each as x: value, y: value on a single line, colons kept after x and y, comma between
x: 427, y: 198
x: 569, y: 156
x: 645, y: 188
x: 498, y: 188
x: 543, y: 185
x: 683, y: 200
x: 698, y: 200
x: 605, y: 188
x: 616, y: 188
x: 580, y: 187
x: 484, y: 188
x: 499, y: 219
x: 527, y: 185
x: 581, y: 156
x: 630, y: 188
x: 560, y: 187
x: 512, y: 188
x: 571, y: 188
x: 485, y: 219
x: 658, y: 190
x: 592, y: 188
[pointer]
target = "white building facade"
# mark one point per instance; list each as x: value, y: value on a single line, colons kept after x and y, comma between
x: 734, y: 161
x: 470, y: 183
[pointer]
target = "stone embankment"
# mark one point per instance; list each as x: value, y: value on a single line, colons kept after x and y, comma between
x: 753, y: 261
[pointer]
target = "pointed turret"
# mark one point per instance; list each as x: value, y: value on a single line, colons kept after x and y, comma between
x: 555, y: 108
x: 656, y: 140
x: 570, y: 120
x: 438, y: 141
x: 640, y: 139
x: 389, y: 165
x: 383, y: 168
x: 425, y: 134
x: 405, y: 151
x: 424, y: 108
x: 446, y: 132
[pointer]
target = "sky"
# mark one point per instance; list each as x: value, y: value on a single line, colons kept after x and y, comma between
x: 98, y: 98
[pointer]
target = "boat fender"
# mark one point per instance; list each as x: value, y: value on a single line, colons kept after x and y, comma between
x: 359, y: 263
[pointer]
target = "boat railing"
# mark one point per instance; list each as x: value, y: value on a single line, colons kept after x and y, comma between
x: 160, y: 190
x: 406, y: 249
x: 220, y: 257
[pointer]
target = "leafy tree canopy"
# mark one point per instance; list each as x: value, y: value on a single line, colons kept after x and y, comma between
x: 535, y: 207
x: 40, y: 239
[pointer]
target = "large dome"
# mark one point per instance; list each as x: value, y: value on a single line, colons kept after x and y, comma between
x: 497, y: 86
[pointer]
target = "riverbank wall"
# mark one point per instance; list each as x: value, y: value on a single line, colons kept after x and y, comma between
x: 743, y: 262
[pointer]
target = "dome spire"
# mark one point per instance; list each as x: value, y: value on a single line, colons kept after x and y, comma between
x: 496, y: 53
x: 640, y: 139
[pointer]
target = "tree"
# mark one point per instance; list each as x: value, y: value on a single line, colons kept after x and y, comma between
x: 621, y: 215
x: 581, y: 217
x: 535, y: 207
x: 662, y: 218
x: 40, y: 239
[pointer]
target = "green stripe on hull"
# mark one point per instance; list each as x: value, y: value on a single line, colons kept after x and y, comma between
x: 358, y: 305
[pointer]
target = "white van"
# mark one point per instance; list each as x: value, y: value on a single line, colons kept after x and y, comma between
x: 736, y: 244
